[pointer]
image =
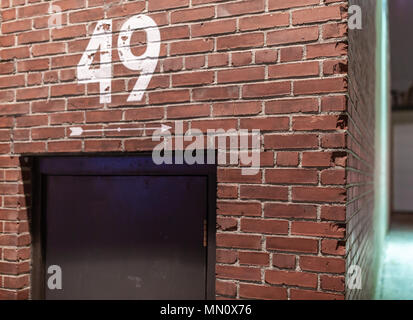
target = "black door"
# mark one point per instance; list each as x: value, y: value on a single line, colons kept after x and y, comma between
x: 124, y: 228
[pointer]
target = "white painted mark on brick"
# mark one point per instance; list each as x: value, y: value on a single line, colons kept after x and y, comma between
x: 88, y: 73
x: 101, y: 42
x: 146, y: 63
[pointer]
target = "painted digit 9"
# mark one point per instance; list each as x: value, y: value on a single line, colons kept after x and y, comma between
x: 146, y: 63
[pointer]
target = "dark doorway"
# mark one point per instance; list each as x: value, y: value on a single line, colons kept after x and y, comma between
x: 124, y: 228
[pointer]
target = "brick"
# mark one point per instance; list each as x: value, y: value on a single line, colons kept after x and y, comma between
x: 227, y: 224
x: 333, y: 177
x: 267, y: 21
x: 239, y: 273
x: 266, y: 124
x: 210, y: 28
x: 16, y: 26
x: 103, y: 116
x: 319, y: 194
x: 191, y: 46
x: 11, y: 53
x: 78, y: 103
x: 241, y: 59
x: 14, y: 109
x: 319, y: 123
x: 334, y: 213
x: 254, y: 258
x: 227, y: 240
x: 126, y: 9
x: 33, y: 36
x: 67, y: 117
x: 86, y: 15
x: 218, y: 60
x: 241, y: 75
x: 223, y: 288
x: 33, y: 10
x: 103, y: 145
x: 67, y: 32
x: 252, y: 209
x: 236, y: 108
x: 333, y: 247
x: 291, y: 278
x: 6, y: 67
x: 188, y: 111
x: 297, y: 294
x: 293, y: 70
x: 33, y: 65
x: 196, y: 14
x: 287, y: 159
x: 9, y: 14
x: 155, y: 5
x: 235, y: 175
x: 322, y: 14
x: 292, y: 244
x: 291, y: 54
x: 30, y: 147
x: 67, y: 90
x: 47, y: 133
x: 334, y: 30
x: 226, y: 256
x: 240, y: 41
x: 334, y: 85
x: 317, y: 159
x: 193, y: 78
x: 296, y: 141
x: 241, y: 7
x: 70, y: 4
x: 326, y: 50
x: 322, y: 264
x: 269, y: 89
x: 48, y: 49
x: 252, y: 291
x: 173, y: 64
x: 305, y: 105
x: 291, y: 176
x: 16, y: 282
x: 215, y: 93
x: 32, y: 93
x: 335, y: 67
x: 283, y: 261
x: 264, y: 226
x: 7, y: 96
x: 64, y: 146
x: 334, y: 140
x: 286, y: 4
x: 7, y: 41
x: 307, y: 228
x: 333, y: 283
x: 295, y: 35
x: 266, y: 56
x: 227, y: 191
x: 194, y: 62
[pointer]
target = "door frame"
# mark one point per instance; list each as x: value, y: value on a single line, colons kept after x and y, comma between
x: 132, y: 165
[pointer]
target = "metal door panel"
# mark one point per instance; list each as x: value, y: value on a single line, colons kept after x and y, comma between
x: 127, y: 237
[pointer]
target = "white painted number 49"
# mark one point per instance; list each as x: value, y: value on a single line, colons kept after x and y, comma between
x: 102, y: 40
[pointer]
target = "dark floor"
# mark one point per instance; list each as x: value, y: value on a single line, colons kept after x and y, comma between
x: 396, y: 281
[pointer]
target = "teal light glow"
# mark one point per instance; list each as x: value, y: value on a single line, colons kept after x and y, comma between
x: 396, y: 281
x: 382, y: 143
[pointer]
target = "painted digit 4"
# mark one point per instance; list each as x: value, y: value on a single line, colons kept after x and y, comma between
x: 102, y: 39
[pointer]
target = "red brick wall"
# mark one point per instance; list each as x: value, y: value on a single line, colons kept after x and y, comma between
x: 274, y: 65
x: 360, y: 174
